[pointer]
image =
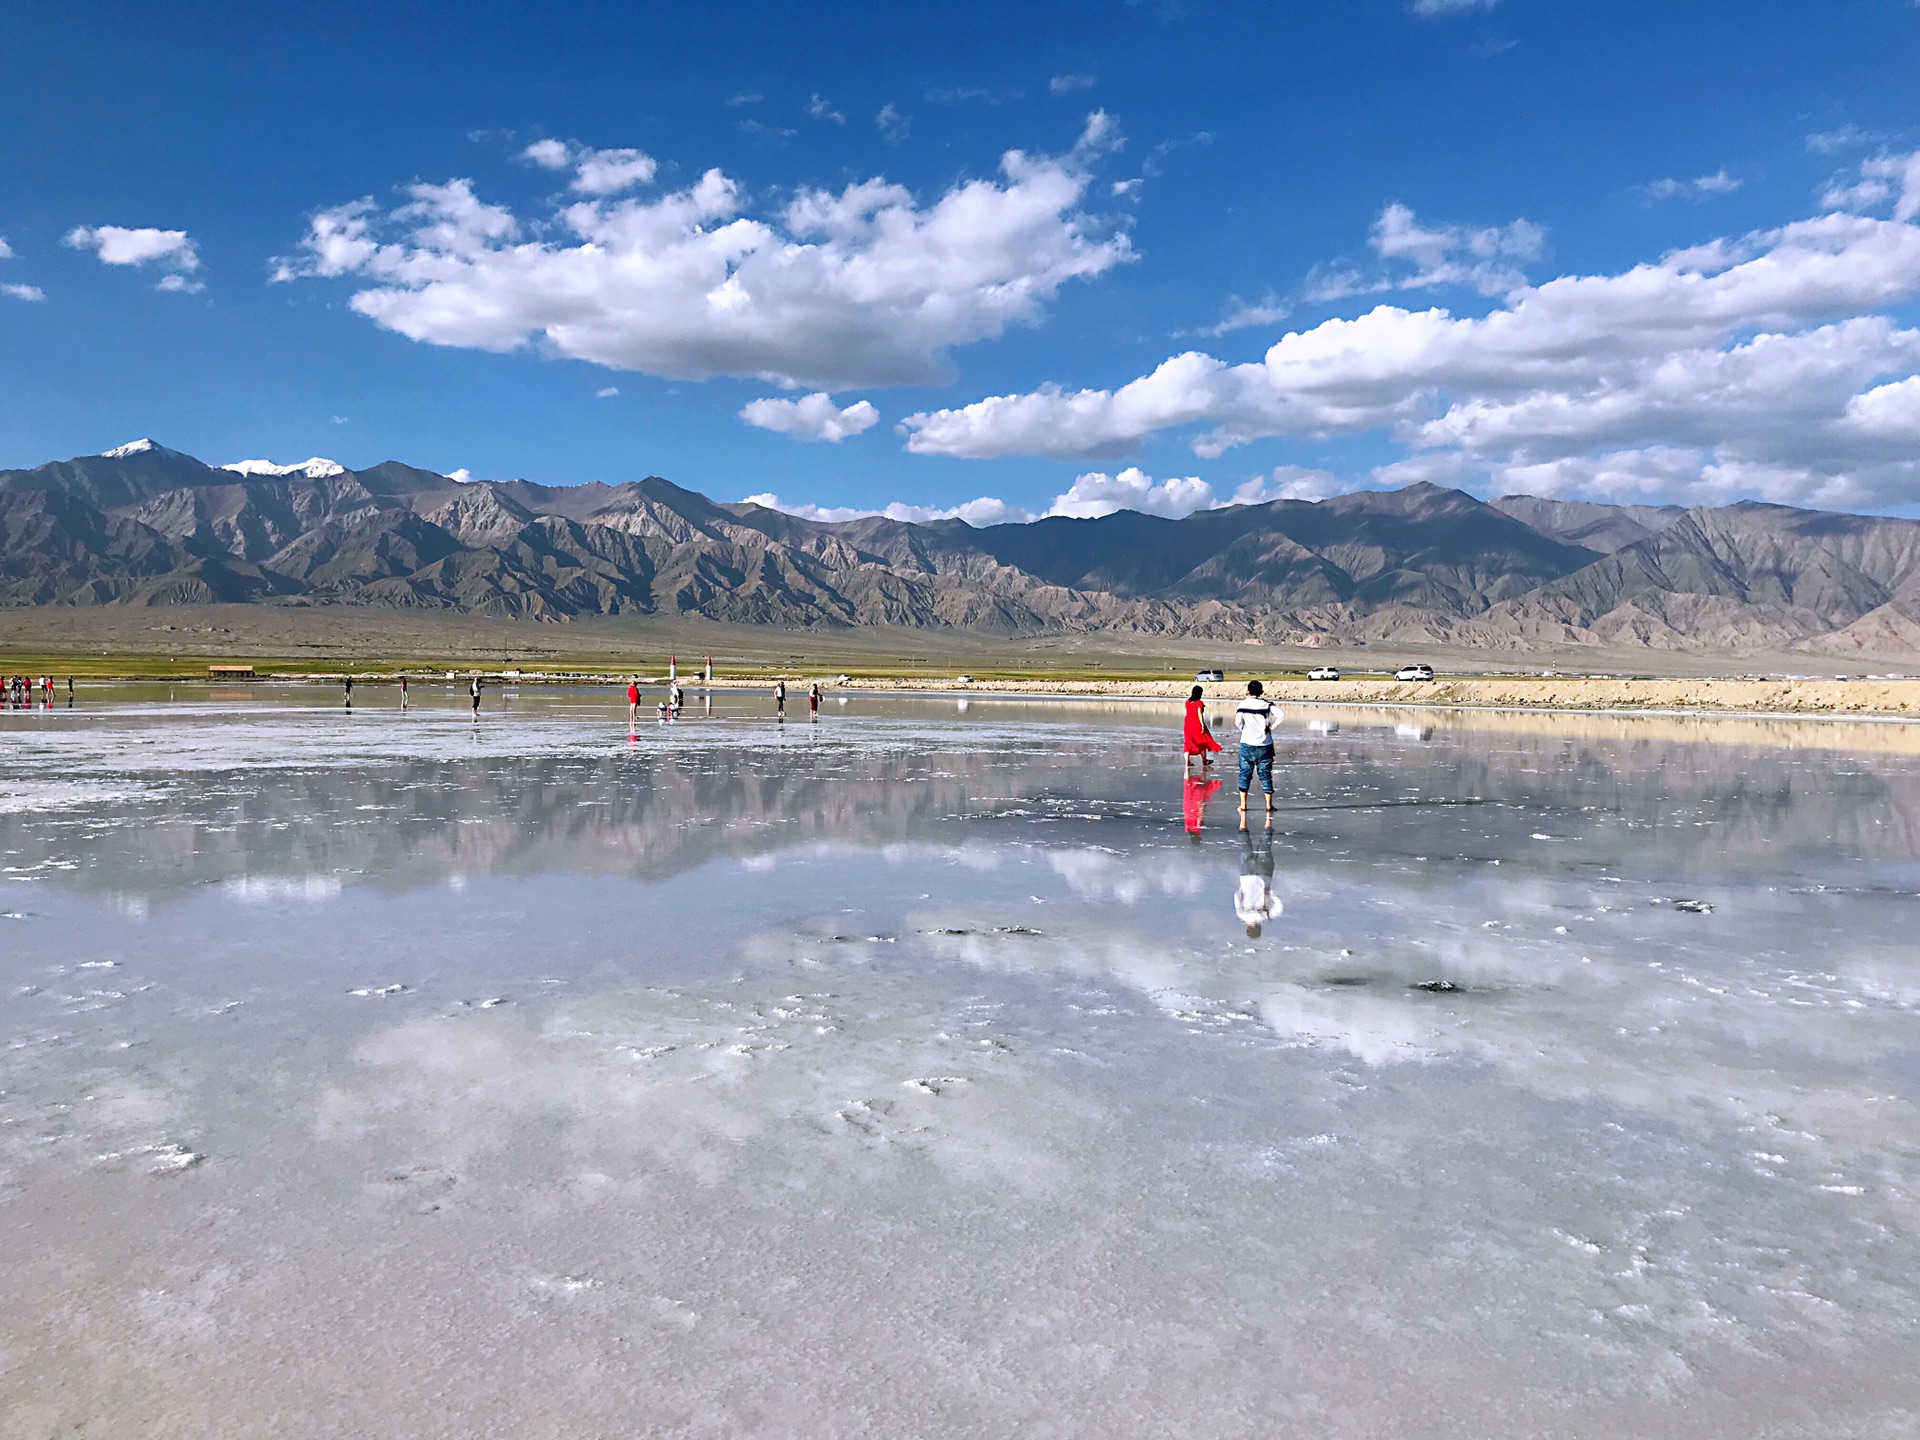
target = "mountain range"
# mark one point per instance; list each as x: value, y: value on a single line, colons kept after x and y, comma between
x: 145, y: 525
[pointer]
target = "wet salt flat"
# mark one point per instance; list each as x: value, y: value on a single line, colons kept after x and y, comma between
x: 917, y: 1074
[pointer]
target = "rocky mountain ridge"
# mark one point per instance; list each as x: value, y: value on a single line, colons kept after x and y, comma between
x: 145, y: 525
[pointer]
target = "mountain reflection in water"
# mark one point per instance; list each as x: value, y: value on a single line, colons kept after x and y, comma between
x: 940, y: 1074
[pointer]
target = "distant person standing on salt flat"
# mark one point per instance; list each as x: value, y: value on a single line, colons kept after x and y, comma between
x: 403, y: 692
x: 633, y: 703
x: 676, y: 697
x: 780, y: 698
x: 1256, y: 718
x: 813, y: 702
x: 473, y: 689
x: 1198, y: 740
x: 708, y: 676
x: 349, y: 692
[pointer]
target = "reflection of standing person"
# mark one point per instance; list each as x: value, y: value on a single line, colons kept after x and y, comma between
x: 1193, y: 803
x: 1255, y: 719
x: 813, y: 702
x: 633, y: 703
x: 1254, y: 901
x: 780, y: 698
x: 473, y: 689
x: 1198, y: 740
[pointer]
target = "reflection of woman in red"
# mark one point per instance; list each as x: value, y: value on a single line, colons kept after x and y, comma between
x: 1199, y: 740
x: 1199, y: 790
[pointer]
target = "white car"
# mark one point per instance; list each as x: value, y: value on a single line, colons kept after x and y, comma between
x: 1323, y: 672
x: 1203, y: 676
x: 1414, y: 672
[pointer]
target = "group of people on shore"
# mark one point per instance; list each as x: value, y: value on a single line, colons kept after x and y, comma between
x: 674, y: 701
x: 23, y: 690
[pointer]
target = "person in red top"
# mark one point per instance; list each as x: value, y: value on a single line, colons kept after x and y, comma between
x: 1199, y: 740
x: 633, y: 702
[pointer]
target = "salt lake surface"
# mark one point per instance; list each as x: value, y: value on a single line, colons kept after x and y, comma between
x: 918, y: 1074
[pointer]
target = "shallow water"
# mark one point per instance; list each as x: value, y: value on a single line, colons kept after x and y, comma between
x: 917, y: 1074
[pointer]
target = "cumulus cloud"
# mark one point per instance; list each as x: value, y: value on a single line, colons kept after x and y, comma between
x: 1486, y: 260
x: 1702, y: 188
x: 811, y: 417
x: 23, y: 292
x: 836, y: 289
x: 1752, y: 365
x: 6, y: 250
x: 595, y: 172
x: 984, y: 511
x: 1091, y: 496
x: 170, y: 250
x: 1097, y: 493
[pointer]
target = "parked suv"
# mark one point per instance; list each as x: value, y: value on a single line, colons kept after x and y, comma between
x: 1205, y: 675
x: 1414, y: 672
x: 1323, y: 672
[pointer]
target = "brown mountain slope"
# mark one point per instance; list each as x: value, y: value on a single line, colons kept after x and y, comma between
x: 144, y: 525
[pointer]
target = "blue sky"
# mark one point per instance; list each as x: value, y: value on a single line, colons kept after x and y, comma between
x: 1243, y: 249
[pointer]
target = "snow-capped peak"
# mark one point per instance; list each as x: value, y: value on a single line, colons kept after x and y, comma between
x: 318, y: 468
x: 132, y: 447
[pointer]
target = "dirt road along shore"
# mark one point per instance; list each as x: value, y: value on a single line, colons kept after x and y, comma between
x: 1891, y: 698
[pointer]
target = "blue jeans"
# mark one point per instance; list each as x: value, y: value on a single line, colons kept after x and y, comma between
x: 1260, y: 758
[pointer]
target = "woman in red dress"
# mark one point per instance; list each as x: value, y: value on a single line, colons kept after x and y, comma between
x: 1199, y: 740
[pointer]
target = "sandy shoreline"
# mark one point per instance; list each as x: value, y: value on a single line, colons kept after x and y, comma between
x: 1890, y: 699
x: 1811, y: 699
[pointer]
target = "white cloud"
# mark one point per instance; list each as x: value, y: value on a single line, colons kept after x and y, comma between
x: 1066, y: 84
x: 6, y: 250
x: 595, y: 172
x: 1450, y: 7
x: 1884, y: 178
x: 169, y: 250
x: 1755, y: 362
x: 1097, y: 493
x: 860, y: 287
x: 1248, y: 314
x: 746, y: 97
x: 812, y: 417
x: 1485, y: 260
x: 893, y: 125
x: 820, y: 109
x: 606, y: 392
x: 548, y: 154
x: 23, y: 292
x: 462, y: 476
x: 1290, y: 482
x: 1718, y: 183
x: 1090, y: 496
x: 1843, y: 138
x: 984, y: 511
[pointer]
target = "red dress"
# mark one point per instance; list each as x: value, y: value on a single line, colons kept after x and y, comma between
x: 1199, y: 740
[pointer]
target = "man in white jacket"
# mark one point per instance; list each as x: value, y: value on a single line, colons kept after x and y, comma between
x: 1255, y: 719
